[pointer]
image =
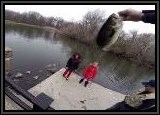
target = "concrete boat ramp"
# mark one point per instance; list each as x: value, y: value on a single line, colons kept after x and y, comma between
x: 70, y: 95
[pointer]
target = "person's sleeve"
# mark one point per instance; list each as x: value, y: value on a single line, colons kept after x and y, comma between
x: 68, y: 63
x: 149, y: 16
x: 76, y: 66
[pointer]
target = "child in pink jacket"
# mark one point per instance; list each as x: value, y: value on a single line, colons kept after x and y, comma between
x: 89, y: 73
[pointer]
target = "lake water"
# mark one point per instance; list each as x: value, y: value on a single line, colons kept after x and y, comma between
x: 34, y: 49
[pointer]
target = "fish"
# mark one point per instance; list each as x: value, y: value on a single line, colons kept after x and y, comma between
x: 109, y: 32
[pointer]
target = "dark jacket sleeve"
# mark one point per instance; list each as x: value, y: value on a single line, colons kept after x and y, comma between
x: 69, y: 62
x: 75, y: 65
x: 149, y: 16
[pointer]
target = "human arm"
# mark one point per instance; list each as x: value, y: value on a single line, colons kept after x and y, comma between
x: 69, y: 62
x: 147, y: 16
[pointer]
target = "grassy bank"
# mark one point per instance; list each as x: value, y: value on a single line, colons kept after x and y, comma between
x: 34, y: 26
x: 139, y: 49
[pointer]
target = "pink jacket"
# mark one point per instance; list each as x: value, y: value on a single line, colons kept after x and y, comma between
x: 90, y: 72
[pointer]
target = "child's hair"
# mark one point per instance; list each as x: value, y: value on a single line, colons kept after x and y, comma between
x: 74, y: 55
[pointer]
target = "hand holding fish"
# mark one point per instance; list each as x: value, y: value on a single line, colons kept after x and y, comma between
x: 131, y: 15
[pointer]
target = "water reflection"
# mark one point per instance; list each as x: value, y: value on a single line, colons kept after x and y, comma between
x: 44, y: 48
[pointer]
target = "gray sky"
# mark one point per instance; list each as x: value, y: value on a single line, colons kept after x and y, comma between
x: 76, y: 13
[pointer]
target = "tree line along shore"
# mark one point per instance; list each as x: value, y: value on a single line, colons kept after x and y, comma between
x: 139, y: 48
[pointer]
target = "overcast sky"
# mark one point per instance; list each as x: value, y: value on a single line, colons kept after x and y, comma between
x: 76, y: 13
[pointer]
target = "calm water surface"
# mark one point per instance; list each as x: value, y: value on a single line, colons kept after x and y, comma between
x: 34, y: 49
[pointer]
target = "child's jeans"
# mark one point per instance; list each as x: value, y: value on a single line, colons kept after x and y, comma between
x: 86, y: 81
x: 67, y: 71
